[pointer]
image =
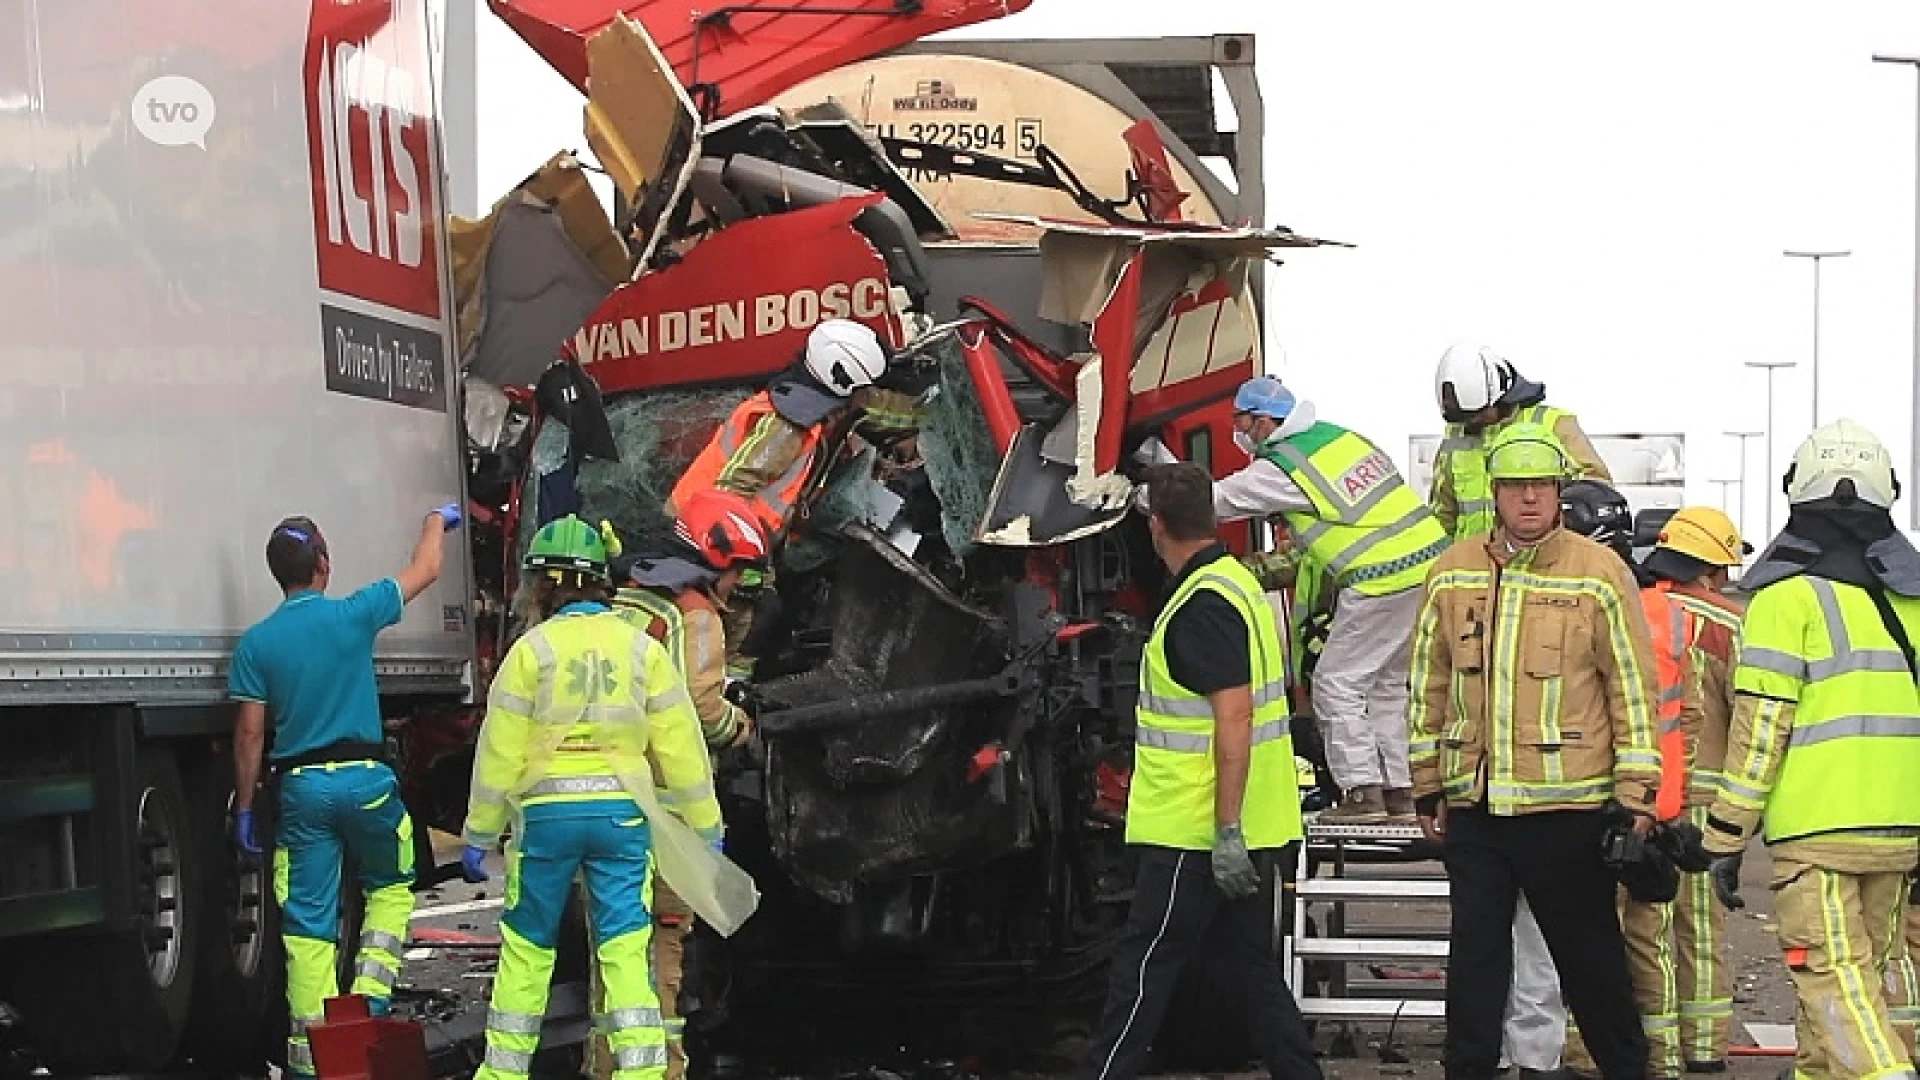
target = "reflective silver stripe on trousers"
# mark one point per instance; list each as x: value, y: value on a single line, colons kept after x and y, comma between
x: 300, y: 1056
x: 519, y: 1062
x: 622, y: 1019
x: 574, y: 785
x: 373, y: 968
x: 380, y: 939
x: 639, y: 1057
x: 1847, y: 726
x: 512, y: 1023
x: 1845, y: 657
x: 1190, y: 743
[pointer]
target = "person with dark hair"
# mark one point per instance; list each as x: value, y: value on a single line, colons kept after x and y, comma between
x: 1824, y: 747
x: 310, y: 664
x: 1214, y: 801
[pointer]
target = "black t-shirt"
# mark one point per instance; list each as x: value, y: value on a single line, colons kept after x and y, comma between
x: 1206, y: 638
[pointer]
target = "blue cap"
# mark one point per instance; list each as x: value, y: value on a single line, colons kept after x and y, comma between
x: 1265, y: 395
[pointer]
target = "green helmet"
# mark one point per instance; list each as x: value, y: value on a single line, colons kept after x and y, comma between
x: 568, y: 544
x: 1527, y: 451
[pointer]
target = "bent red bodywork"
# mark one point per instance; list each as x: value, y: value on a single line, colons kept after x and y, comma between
x: 735, y: 56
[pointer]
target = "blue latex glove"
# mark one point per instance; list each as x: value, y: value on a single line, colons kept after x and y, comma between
x: 243, y: 832
x: 450, y: 516
x: 471, y: 869
x: 716, y: 840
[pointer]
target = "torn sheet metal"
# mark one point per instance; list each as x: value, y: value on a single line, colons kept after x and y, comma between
x: 1030, y: 505
x: 735, y: 56
x: 1217, y: 240
x: 527, y: 274
x: 641, y: 125
x: 704, y: 321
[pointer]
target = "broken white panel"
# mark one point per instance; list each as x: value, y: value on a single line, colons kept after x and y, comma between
x: 1108, y: 492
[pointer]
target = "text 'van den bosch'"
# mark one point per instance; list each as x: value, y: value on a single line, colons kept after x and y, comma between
x: 730, y: 320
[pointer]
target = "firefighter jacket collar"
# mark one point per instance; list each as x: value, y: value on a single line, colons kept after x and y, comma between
x: 800, y: 402
x: 1822, y: 544
x: 672, y: 573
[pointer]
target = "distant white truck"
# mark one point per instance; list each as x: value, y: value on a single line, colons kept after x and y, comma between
x: 1649, y: 470
x: 223, y: 300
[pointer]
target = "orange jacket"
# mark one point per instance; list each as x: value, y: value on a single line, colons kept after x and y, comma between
x: 1673, y: 669
x: 760, y: 456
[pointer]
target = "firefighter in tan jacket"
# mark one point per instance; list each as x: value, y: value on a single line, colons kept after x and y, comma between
x: 680, y: 599
x: 1533, y: 707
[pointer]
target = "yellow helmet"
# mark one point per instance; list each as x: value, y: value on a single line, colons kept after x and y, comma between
x: 1527, y: 451
x: 1706, y: 534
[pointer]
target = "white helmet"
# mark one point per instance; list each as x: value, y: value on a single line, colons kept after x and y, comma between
x: 844, y: 356
x: 1842, y: 452
x: 1471, y: 377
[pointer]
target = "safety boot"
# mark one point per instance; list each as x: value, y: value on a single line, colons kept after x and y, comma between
x: 1361, y: 805
x: 1400, y: 804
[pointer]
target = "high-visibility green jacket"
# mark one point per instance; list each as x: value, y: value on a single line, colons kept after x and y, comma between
x: 1368, y: 529
x: 1832, y: 743
x: 586, y: 707
x: 1170, y: 801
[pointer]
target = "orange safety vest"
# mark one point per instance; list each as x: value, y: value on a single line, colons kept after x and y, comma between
x: 1669, y: 624
x: 773, y: 504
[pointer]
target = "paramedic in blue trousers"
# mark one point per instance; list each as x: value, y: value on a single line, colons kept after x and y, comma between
x: 584, y: 712
x: 310, y: 664
x: 1213, y: 800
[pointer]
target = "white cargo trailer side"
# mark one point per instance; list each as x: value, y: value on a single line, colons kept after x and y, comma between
x: 223, y: 300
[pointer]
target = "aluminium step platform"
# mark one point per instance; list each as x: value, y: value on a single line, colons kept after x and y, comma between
x: 1366, y: 866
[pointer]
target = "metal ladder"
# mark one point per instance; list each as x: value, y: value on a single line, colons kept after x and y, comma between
x: 1395, y: 873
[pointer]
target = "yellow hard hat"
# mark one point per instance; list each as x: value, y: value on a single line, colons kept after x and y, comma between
x: 1706, y: 534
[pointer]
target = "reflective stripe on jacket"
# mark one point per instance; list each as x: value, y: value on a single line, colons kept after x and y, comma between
x: 1713, y: 628
x: 1533, y: 684
x: 696, y: 640
x: 1368, y: 529
x: 1462, y: 496
x: 760, y: 456
x: 585, y: 707
x: 1170, y: 801
x: 1853, y: 749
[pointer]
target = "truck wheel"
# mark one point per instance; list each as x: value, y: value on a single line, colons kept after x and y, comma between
x: 239, y: 1012
x: 142, y: 979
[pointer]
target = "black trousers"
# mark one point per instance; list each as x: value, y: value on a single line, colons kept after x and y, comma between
x: 1554, y: 858
x: 1175, y: 905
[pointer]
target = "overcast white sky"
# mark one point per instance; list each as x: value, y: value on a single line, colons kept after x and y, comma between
x: 1600, y: 191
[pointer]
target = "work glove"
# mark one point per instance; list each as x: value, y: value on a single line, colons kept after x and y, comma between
x: 1725, y: 873
x: 450, y: 516
x: 1233, y: 868
x: 716, y: 840
x: 243, y: 833
x: 471, y: 869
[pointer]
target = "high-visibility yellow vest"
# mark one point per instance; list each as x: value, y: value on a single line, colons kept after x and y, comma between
x: 1854, y: 752
x: 1368, y: 529
x: 1464, y: 457
x: 1170, y: 802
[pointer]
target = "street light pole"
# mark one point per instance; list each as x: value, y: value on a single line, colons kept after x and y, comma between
x: 1724, y: 486
x: 1769, y: 366
x: 1816, y: 256
x: 1740, y: 515
x: 1913, y: 62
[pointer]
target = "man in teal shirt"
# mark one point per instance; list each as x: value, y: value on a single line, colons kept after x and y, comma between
x: 311, y: 664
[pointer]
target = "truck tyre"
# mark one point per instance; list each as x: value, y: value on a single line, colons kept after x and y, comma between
x: 119, y: 1001
x: 239, y: 1001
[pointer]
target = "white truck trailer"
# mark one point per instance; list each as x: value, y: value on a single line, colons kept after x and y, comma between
x: 223, y: 300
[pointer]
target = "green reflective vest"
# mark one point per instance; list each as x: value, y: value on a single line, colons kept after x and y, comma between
x: 1464, y: 457
x: 1170, y: 800
x: 1854, y: 753
x: 1368, y: 529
